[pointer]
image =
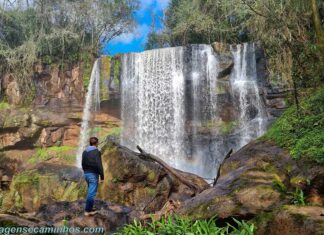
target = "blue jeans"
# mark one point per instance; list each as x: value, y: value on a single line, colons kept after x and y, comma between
x: 92, y: 181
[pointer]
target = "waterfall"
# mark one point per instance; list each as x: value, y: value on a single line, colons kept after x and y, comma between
x: 204, y: 111
x: 246, y: 92
x: 175, y: 106
x: 92, y: 104
x: 153, y: 102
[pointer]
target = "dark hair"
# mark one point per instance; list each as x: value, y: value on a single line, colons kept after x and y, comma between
x: 93, y: 141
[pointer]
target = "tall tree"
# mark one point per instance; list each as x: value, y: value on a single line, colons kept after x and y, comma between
x: 58, y: 31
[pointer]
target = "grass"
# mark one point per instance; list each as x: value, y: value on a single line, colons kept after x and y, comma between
x: 26, y: 177
x: 62, y: 152
x: 175, y: 225
x: 297, y: 197
x: 302, y: 132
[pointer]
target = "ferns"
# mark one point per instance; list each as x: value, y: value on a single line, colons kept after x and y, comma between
x: 179, y: 226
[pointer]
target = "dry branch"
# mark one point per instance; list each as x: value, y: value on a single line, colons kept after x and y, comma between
x: 148, y: 156
x: 220, y: 166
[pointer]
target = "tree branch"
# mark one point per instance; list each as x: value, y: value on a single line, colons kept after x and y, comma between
x: 252, y: 9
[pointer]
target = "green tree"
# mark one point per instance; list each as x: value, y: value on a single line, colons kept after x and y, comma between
x: 58, y: 31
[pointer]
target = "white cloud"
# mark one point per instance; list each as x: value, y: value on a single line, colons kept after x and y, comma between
x: 140, y: 31
x: 162, y: 4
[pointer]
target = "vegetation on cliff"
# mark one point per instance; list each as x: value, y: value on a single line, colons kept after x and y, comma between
x: 302, y: 131
x: 290, y: 31
x: 60, y: 32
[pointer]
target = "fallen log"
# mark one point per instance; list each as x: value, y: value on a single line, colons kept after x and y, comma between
x: 148, y: 156
x: 220, y: 166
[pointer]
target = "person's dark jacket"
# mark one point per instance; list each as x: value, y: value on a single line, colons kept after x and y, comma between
x: 91, y: 161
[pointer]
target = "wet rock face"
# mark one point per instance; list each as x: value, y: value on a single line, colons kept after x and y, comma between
x: 57, y: 89
x: 141, y: 184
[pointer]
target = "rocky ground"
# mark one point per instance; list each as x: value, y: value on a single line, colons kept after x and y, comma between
x: 255, y: 183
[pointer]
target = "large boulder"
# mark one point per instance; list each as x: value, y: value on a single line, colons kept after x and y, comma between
x: 252, y: 180
x: 110, y: 216
x: 43, y: 184
x: 292, y: 220
x: 139, y: 183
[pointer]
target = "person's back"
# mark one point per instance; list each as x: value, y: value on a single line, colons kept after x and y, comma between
x: 91, y: 161
x: 92, y: 167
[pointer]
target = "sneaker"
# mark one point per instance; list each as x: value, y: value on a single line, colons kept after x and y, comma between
x: 92, y: 212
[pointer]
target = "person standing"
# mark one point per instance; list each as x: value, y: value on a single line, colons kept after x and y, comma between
x: 92, y: 167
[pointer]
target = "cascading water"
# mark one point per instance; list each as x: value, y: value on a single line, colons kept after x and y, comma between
x: 246, y: 91
x: 153, y: 102
x: 174, y: 105
x: 92, y: 105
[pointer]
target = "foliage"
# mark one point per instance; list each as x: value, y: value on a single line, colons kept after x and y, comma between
x: 302, y: 132
x: 298, y: 197
x: 26, y: 177
x: 60, y: 31
x: 176, y: 225
x: 285, y: 28
x: 61, y: 152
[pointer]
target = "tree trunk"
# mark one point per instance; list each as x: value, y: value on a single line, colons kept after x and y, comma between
x: 296, y: 96
x: 169, y: 169
x: 317, y: 23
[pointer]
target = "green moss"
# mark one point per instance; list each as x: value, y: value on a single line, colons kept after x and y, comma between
x: 4, y: 105
x: 263, y: 219
x: 229, y: 166
x: 26, y: 177
x: 116, y: 131
x: 151, y: 176
x: 228, y: 127
x: 298, y: 180
x: 151, y: 191
x: 61, y: 152
x: 302, y: 133
x: 29, y: 189
x: 104, y: 77
x: 117, y: 65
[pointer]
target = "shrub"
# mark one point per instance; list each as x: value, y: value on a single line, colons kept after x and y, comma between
x: 302, y: 132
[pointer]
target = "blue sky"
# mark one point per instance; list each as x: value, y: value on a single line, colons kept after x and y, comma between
x: 135, y: 41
